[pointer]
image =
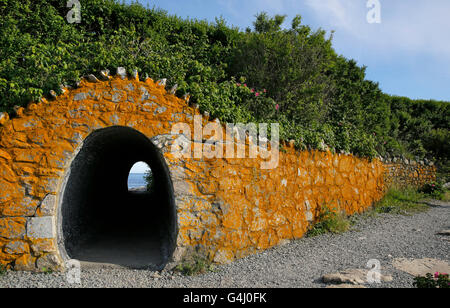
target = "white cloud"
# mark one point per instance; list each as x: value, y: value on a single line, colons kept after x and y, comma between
x: 412, y: 26
x: 340, y: 14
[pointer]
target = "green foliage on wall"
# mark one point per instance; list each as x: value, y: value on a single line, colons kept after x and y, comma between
x: 266, y: 74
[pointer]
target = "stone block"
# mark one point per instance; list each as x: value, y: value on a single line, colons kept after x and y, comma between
x: 25, y: 263
x: 16, y: 248
x: 41, y: 228
x: 48, y: 205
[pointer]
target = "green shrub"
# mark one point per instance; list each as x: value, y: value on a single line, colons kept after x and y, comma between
x: 439, y: 280
x: 433, y: 189
x: 149, y: 180
x: 298, y: 80
x: 443, y: 170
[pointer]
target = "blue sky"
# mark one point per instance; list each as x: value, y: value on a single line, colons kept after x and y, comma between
x: 139, y: 167
x: 408, y: 53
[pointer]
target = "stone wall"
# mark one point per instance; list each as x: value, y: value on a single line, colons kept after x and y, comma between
x: 402, y: 172
x: 226, y: 208
x: 232, y: 208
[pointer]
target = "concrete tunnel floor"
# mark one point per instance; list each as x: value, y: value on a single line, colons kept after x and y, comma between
x: 103, y: 223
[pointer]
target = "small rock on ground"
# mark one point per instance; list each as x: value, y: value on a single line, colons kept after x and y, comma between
x: 421, y: 267
x: 352, y: 277
x: 346, y: 286
x: 444, y: 232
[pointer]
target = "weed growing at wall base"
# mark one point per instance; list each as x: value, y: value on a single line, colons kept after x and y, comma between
x: 330, y: 221
x: 194, y: 266
x: 2, y: 270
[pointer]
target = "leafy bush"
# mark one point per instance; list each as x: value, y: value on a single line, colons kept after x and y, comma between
x: 443, y: 170
x: 149, y: 180
x: 434, y: 189
x: 330, y: 221
x: 320, y: 99
x: 439, y: 280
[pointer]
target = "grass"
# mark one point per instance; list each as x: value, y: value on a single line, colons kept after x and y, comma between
x: 330, y: 221
x: 446, y: 196
x: 404, y: 201
x: 195, y: 265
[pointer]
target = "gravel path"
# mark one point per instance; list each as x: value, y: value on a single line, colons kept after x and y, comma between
x: 300, y: 263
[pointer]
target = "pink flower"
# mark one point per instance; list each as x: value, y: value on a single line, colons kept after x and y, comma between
x: 245, y: 85
x: 277, y: 107
x: 252, y: 90
x: 436, y: 275
x: 238, y: 84
x: 264, y: 90
x: 256, y: 94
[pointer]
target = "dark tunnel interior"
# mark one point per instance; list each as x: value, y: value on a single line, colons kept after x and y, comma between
x: 101, y: 220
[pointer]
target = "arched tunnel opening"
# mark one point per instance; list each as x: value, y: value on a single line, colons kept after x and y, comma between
x: 101, y: 220
x: 140, y: 177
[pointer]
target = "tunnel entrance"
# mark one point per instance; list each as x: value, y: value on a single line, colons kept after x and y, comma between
x: 101, y: 221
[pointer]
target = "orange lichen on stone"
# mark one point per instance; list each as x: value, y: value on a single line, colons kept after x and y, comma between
x: 226, y: 207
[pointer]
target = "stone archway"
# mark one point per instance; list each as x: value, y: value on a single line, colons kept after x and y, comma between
x: 45, y: 153
x: 99, y: 220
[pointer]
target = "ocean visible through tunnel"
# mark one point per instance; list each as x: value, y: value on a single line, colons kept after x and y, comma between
x: 136, y: 180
